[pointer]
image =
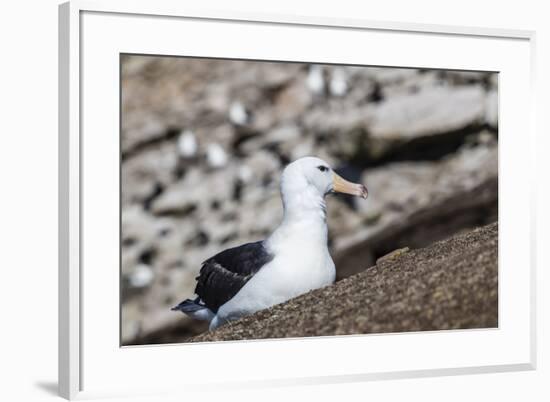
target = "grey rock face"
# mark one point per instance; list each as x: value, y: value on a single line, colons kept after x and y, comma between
x: 428, y: 112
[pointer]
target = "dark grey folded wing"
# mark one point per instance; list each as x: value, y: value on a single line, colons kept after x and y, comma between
x: 222, y: 276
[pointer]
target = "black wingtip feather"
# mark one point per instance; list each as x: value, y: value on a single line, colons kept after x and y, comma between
x: 187, y: 306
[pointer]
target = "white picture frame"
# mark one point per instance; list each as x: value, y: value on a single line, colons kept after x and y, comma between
x: 93, y: 33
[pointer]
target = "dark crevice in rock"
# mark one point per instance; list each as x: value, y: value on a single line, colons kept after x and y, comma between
x: 151, y: 143
x: 274, y: 148
x: 424, y: 148
x: 147, y: 256
x: 157, y: 191
x: 243, y: 135
x: 178, y: 330
x: 179, y: 212
x: 238, y: 186
x: 376, y: 96
x: 201, y: 238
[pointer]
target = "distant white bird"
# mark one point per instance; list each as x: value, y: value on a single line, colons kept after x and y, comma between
x: 338, y: 82
x: 315, y: 80
x: 142, y: 276
x: 187, y: 144
x: 216, y: 155
x: 238, y: 114
x: 292, y: 261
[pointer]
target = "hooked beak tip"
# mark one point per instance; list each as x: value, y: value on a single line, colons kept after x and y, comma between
x: 364, y: 192
x: 341, y: 185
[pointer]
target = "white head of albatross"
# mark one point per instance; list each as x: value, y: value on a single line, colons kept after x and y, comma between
x: 293, y: 260
x: 307, y: 181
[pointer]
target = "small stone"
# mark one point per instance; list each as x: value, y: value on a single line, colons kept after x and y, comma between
x: 393, y: 255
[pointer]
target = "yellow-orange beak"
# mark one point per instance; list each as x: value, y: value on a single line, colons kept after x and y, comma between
x: 341, y: 185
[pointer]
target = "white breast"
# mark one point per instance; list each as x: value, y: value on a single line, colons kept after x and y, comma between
x: 301, y: 263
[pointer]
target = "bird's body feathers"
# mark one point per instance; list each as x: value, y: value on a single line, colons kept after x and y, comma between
x: 293, y: 260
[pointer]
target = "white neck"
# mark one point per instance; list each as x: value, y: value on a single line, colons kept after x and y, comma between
x: 305, y: 204
x: 304, y: 217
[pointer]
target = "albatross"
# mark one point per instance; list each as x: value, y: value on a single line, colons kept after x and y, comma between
x: 293, y: 260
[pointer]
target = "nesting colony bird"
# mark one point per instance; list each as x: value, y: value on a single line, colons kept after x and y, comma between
x: 238, y: 114
x: 338, y: 82
x: 187, y: 144
x: 293, y: 260
x: 315, y: 80
x: 216, y: 156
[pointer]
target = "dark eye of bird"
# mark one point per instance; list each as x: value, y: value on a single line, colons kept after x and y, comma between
x: 322, y: 168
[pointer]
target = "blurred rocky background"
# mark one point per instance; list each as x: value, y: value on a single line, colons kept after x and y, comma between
x: 203, y: 143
